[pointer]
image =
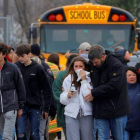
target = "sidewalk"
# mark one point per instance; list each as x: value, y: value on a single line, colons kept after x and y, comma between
x: 62, y: 136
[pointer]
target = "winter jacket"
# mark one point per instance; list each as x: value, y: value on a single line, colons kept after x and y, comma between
x: 12, y: 90
x: 57, y: 90
x: 133, y: 122
x: 49, y: 74
x: 77, y: 101
x: 121, y: 58
x: 110, y: 89
x: 48, y: 71
x: 36, y: 81
x: 54, y: 68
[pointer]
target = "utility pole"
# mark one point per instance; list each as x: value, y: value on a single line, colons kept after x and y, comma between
x: 5, y: 7
x: 5, y: 13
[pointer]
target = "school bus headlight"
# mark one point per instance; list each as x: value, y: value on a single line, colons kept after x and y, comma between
x: 59, y: 17
x: 115, y: 17
x: 122, y: 18
x: 52, y: 17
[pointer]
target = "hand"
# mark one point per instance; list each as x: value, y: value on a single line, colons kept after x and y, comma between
x: 45, y: 115
x: 89, y: 97
x: 63, y: 89
x: 70, y: 94
x: 82, y: 74
x: 52, y: 118
x: 19, y: 113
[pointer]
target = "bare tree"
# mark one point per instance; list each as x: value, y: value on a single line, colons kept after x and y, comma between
x: 28, y: 11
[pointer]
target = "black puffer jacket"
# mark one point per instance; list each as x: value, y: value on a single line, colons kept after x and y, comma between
x: 109, y: 89
x: 12, y: 91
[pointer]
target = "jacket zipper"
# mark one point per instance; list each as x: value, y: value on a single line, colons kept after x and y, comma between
x: 113, y: 104
x: 14, y: 96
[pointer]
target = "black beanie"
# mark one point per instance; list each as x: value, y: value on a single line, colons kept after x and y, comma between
x: 35, y: 49
x: 121, y: 51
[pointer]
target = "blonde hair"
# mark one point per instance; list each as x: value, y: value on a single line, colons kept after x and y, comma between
x: 36, y: 59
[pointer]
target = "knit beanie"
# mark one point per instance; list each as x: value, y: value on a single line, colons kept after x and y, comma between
x: 121, y: 51
x: 35, y: 49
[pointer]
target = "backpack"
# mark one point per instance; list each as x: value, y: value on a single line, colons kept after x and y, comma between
x: 49, y: 74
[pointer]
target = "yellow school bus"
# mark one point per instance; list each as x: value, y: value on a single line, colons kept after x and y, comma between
x: 65, y: 28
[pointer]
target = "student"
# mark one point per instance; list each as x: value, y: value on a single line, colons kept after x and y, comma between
x: 78, y: 112
x: 12, y: 94
x: 123, y: 55
x: 53, y: 62
x: 36, y: 83
x: 35, y: 53
x: 57, y: 90
x: 10, y: 53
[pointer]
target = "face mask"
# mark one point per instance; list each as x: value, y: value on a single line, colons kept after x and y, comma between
x: 110, y: 43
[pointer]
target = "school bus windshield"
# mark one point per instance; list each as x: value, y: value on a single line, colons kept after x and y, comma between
x: 61, y: 38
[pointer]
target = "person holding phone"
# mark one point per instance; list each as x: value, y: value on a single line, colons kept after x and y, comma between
x: 78, y: 112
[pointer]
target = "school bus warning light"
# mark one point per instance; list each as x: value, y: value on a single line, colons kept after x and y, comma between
x: 122, y: 18
x: 51, y: 17
x: 116, y: 17
x: 58, y: 17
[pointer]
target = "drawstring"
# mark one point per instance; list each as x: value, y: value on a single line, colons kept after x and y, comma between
x: 81, y: 112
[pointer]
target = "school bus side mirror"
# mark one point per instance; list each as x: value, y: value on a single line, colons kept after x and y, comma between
x: 138, y: 39
x: 32, y: 32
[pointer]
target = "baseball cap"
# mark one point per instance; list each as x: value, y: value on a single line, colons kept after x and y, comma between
x: 84, y: 46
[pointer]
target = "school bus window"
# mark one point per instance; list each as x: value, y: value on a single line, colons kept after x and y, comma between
x: 93, y: 36
x: 57, y: 35
x: 42, y: 42
x: 73, y: 35
x: 118, y: 34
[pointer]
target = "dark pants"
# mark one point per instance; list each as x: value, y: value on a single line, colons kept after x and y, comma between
x: 133, y: 135
x: 34, y: 117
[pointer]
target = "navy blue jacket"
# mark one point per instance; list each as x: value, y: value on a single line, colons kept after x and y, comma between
x: 133, y: 122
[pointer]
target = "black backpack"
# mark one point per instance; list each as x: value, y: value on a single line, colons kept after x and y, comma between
x: 53, y: 107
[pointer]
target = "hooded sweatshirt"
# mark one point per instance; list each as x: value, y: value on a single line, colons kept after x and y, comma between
x: 120, y: 55
x: 36, y: 81
x: 85, y: 56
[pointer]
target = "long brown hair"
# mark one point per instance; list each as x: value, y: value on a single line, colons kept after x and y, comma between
x: 72, y: 72
x: 54, y: 58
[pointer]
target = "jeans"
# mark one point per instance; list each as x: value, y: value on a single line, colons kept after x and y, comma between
x: 95, y: 130
x: 116, y: 125
x: 132, y: 135
x: 34, y: 117
x: 8, y: 124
